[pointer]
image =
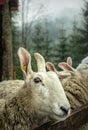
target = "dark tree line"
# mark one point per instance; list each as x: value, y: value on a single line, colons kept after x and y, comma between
x: 75, y: 44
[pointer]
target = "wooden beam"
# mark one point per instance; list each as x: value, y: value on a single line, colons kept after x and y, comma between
x: 73, y: 122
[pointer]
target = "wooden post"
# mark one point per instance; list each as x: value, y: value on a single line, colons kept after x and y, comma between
x: 1, y: 47
x: 7, y: 41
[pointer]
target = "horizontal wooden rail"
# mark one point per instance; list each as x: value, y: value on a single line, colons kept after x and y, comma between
x: 73, y: 122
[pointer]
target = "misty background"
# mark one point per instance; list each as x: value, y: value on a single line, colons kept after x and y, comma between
x: 55, y: 28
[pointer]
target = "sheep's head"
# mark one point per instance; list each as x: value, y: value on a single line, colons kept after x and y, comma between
x: 83, y: 69
x: 49, y: 95
x: 81, y: 72
x: 69, y: 72
x: 85, y: 60
x: 62, y: 75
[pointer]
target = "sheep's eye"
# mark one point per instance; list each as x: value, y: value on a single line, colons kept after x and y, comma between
x: 37, y: 80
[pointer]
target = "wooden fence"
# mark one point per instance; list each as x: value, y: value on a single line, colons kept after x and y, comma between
x: 73, y: 122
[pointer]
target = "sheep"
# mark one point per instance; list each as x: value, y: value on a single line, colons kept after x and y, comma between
x: 62, y: 74
x: 83, y: 65
x: 37, y: 99
x: 76, y: 78
x: 85, y: 60
x: 75, y: 83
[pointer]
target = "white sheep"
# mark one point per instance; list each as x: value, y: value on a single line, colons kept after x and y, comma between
x: 75, y: 82
x: 83, y: 66
x: 85, y: 60
x: 37, y: 99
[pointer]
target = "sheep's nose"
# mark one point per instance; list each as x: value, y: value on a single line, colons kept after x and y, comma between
x: 65, y: 110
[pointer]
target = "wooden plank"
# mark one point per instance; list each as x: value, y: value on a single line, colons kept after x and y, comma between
x: 73, y: 122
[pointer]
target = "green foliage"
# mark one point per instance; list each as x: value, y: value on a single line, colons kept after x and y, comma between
x: 74, y: 45
x: 84, y: 31
x: 57, y: 50
x: 41, y: 42
x: 78, y: 47
x: 61, y: 48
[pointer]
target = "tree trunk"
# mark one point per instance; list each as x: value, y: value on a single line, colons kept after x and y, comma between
x: 1, y: 48
x: 7, y: 42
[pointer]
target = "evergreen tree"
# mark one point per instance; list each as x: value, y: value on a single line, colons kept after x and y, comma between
x: 74, y: 45
x: 84, y: 31
x: 79, y: 38
x: 47, y: 42
x: 41, y: 42
x: 61, y: 48
x: 38, y: 38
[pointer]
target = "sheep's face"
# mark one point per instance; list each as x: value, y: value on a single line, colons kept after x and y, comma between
x: 85, y: 60
x: 69, y: 73
x: 82, y: 70
x: 49, y: 95
x: 49, y: 98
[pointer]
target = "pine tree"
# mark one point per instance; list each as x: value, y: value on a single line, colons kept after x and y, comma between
x: 61, y: 48
x: 47, y: 42
x: 41, y: 42
x: 38, y: 38
x: 84, y: 32
x: 79, y: 38
x: 74, y: 45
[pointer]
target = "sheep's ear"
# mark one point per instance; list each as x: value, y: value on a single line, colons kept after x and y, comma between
x: 50, y: 66
x: 61, y: 74
x: 65, y: 66
x: 69, y: 61
x: 40, y: 62
x: 25, y: 61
